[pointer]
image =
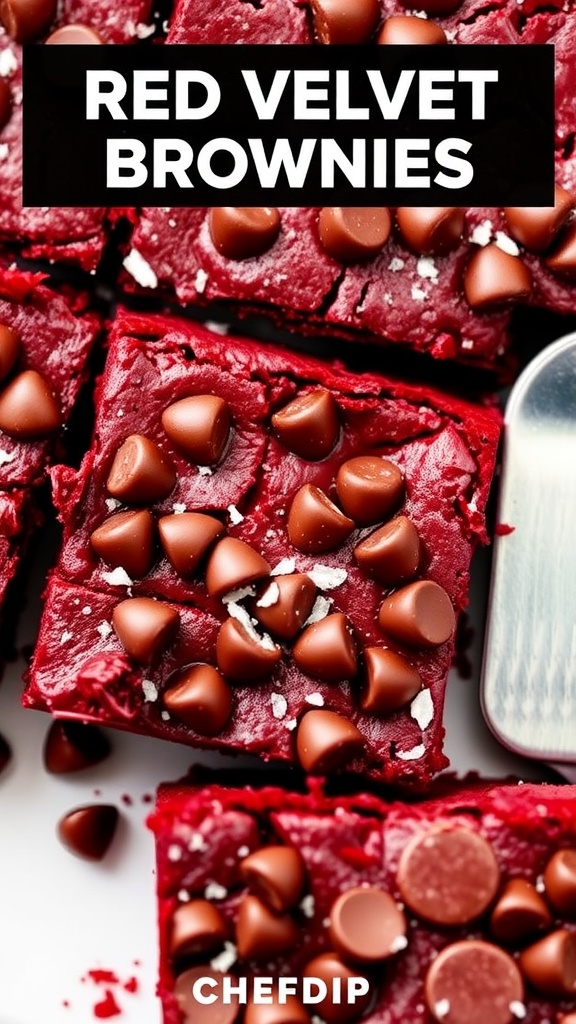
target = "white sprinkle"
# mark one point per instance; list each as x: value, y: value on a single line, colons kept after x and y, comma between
x: 467, y: 343
x: 308, y: 905
x: 174, y: 853
x: 214, y: 891
x: 270, y: 596
x: 279, y: 705
x: 539, y: 886
x: 8, y: 63
x: 426, y: 268
x: 4, y: 151
x: 112, y: 503
x: 238, y: 595
x: 197, y: 843
x: 86, y: 610
x: 399, y: 943
x: 224, y: 960
x: 422, y: 708
x: 241, y: 615
x: 6, y: 457
x: 243, y: 851
x: 140, y: 270
x: 200, y: 281
x: 396, y: 264
x: 118, y: 577
x: 204, y: 470
x: 413, y: 754
x: 517, y: 1009
x: 171, y: 222
x: 149, y: 690
x: 327, y: 577
x: 482, y: 233
x: 183, y: 895
x: 143, y: 31
x: 120, y: 413
x: 104, y: 629
x: 316, y: 699
x: 178, y: 508
x: 165, y: 716
x: 419, y: 294
x: 66, y: 636
x: 315, y: 1019
x: 442, y: 1008
x: 506, y: 243
x: 216, y: 327
x: 320, y: 609
x: 236, y: 517
x: 284, y: 568
x: 290, y: 724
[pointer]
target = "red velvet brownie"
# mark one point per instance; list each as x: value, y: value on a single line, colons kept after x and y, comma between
x: 458, y: 910
x: 264, y: 553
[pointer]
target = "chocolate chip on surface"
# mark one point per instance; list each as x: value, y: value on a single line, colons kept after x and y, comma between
x: 196, y: 927
x: 76, y: 35
x: 354, y: 233
x: 326, y: 741
x: 243, y: 657
x: 201, y: 698
x: 550, y: 964
x: 328, y: 967
x: 494, y: 277
x: 88, y: 831
x: 366, y: 925
x: 186, y: 537
x: 314, y: 522
x: 140, y: 471
x: 221, y: 1011
x: 73, y: 746
x: 308, y: 426
x: 126, y: 539
x: 144, y: 627
x: 276, y: 875
x: 535, y: 227
x: 25, y: 20
x: 392, y: 554
x: 338, y: 21
x: 289, y: 1012
x: 562, y: 260
x: 28, y: 408
x: 326, y: 650
x: 408, y: 30
x: 233, y: 564
x: 391, y: 681
x: 419, y: 615
x: 9, y: 340
x: 369, y: 488
x: 284, y: 604
x: 199, y: 426
x: 430, y: 230
x: 519, y: 912
x: 240, y: 232
x: 473, y: 982
x: 560, y: 882
x: 262, y: 934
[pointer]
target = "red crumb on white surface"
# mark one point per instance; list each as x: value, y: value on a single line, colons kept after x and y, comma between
x: 503, y: 529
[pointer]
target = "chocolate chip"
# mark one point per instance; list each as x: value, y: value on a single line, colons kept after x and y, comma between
x: 435, y: 8
x: 366, y: 925
x: 9, y: 340
x: 354, y: 233
x: 5, y: 753
x: 314, y: 523
x: 308, y: 426
x: 199, y: 426
x: 448, y: 876
x: 25, y: 20
x: 536, y: 226
x: 140, y: 471
x: 568, y: 1018
x: 473, y: 982
x: 224, y: 1009
x: 560, y: 882
x: 239, y: 232
x: 391, y: 681
x: 494, y: 277
x: 290, y: 1011
x: 419, y: 615
x: 261, y: 934
x: 369, y: 488
x: 326, y: 650
x: 233, y: 564
x: 5, y: 111
x: 73, y: 746
x: 201, y: 698
x: 328, y: 968
x: 550, y: 964
x: 186, y: 537
x: 275, y: 874
x: 196, y: 927
x: 28, y: 409
x: 88, y: 831
x: 284, y: 604
x: 244, y: 657
x: 126, y: 539
x: 406, y: 30
x: 338, y: 21
x: 77, y: 35
x: 326, y: 740
x: 431, y: 230
x: 392, y: 554
x: 144, y: 627
x: 519, y: 912
x: 563, y: 259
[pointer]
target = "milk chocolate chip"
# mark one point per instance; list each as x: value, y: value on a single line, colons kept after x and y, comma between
x: 406, y: 30
x: 560, y: 882
x: 328, y: 967
x: 221, y: 1011
x: 185, y: 538
x: 369, y: 488
x: 126, y: 539
x: 261, y: 934
x: 199, y: 426
x: 392, y: 554
x: 473, y: 982
x: 88, y: 831
x: 73, y: 746
x: 284, y: 604
x: 519, y: 912
x: 5, y: 111
x: 140, y: 472
x: 354, y: 233
x: 366, y: 925
x: 196, y: 927
x: 289, y: 1012
x: 391, y: 681
x: 25, y: 20
x: 308, y: 426
x: 338, y: 21
x: 494, y: 277
x: 233, y: 564
x: 275, y: 874
x: 448, y: 876
x: 536, y: 226
x: 563, y: 259
x: 430, y: 230
x: 326, y: 740
x: 77, y: 35
x: 239, y: 232
x: 9, y: 340
x: 550, y: 964
x: 419, y: 615
x: 144, y: 627
x: 326, y: 650
x: 244, y: 657
x: 201, y: 698
x: 314, y: 523
x: 28, y: 409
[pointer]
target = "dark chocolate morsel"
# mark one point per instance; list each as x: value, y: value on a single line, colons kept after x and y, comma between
x: 354, y: 233
x: 185, y: 538
x: 563, y: 258
x: 126, y: 539
x: 144, y: 627
x: 435, y: 8
x: 233, y: 564
x: 5, y: 753
x: 9, y: 340
x: 326, y: 650
x: 326, y: 740
x: 519, y: 912
x: 366, y: 925
x: 448, y: 876
x: 550, y: 964
x: 391, y: 681
x: 28, y: 409
x: 73, y: 746
x: 392, y: 554
x: 430, y: 230
x: 242, y: 657
x: 224, y: 1009
x: 560, y: 882
x: 77, y: 35
x: 369, y: 488
x: 419, y: 615
x: 201, y: 698
x: 408, y: 30
x: 290, y: 1011
x: 25, y: 20
x: 262, y: 934
x: 314, y: 523
x: 275, y: 874
x: 494, y: 277
x: 308, y: 425
x: 88, y: 831
x: 196, y: 927
x: 294, y: 596
x: 5, y: 111
x: 199, y: 426
x: 140, y: 471
x: 239, y: 232
x: 535, y: 227
x: 338, y: 21
x: 473, y: 982
x: 327, y: 968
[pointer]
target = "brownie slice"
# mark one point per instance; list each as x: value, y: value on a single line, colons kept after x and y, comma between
x: 264, y: 553
x: 457, y: 910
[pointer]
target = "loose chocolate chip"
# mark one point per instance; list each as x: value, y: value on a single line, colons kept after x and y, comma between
x: 391, y: 681
x: 233, y: 564
x: 186, y: 537
x: 392, y: 554
x: 338, y: 21
x: 5, y: 753
x: 536, y: 226
x: 326, y: 650
x: 144, y: 627
x: 224, y: 1009
x: 435, y: 8
x: 519, y: 912
x: 448, y: 876
x: 431, y: 230
x: 9, y: 340
x: 126, y: 539
x: 419, y: 615
x: 261, y: 934
x: 77, y: 35
x: 366, y: 925
x: 243, y: 657
x: 563, y: 259
x: 275, y: 874
x: 308, y: 426
x: 326, y: 740
x: 73, y: 746
x: 88, y: 831
x: 25, y: 20
x: 550, y: 964
x: 28, y: 409
x: 407, y: 30
x: 494, y: 278
x: 314, y: 523
x: 196, y: 927
x: 199, y: 426
x: 473, y: 982
x: 284, y: 604
x: 239, y: 232
x: 5, y: 111
x: 201, y: 698
x: 328, y: 968
x: 354, y: 233
x: 369, y: 488
x: 291, y: 1011
x: 568, y: 1018
x: 560, y: 882
x: 140, y: 472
